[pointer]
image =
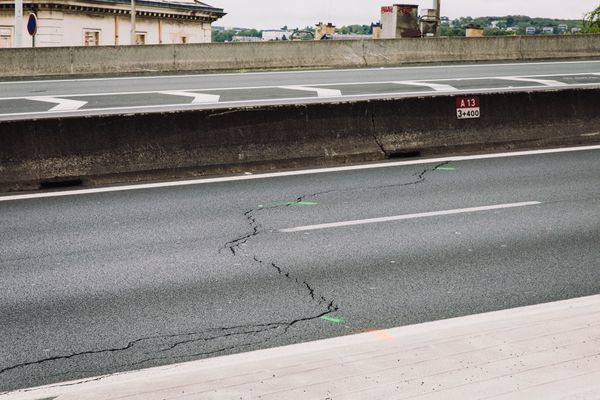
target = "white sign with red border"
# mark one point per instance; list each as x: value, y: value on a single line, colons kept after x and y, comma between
x: 468, y: 107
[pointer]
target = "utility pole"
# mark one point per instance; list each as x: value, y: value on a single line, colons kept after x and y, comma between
x: 436, y: 5
x: 133, y: 38
x: 18, y: 23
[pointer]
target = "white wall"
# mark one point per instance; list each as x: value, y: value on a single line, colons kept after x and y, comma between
x: 67, y: 29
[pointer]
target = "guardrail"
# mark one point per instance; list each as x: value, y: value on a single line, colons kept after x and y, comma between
x: 273, y: 55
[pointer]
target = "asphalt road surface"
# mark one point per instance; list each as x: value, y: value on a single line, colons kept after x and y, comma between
x: 106, y: 282
x: 64, y: 97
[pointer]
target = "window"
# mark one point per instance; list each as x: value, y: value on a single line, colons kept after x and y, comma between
x: 140, y: 38
x: 91, y: 37
x: 5, y: 37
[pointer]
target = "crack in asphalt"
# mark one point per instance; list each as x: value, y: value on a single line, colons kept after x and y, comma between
x: 234, y: 244
x: 241, y: 330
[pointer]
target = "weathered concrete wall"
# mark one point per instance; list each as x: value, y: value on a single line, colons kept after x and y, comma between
x: 103, y: 149
x: 310, y: 54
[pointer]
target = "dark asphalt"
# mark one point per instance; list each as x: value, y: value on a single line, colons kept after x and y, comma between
x: 25, y: 99
x: 110, y: 282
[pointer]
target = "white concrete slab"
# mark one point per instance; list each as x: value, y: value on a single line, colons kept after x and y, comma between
x: 547, y: 351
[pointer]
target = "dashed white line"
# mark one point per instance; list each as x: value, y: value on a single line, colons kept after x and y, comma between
x: 321, y: 92
x: 438, y: 87
x: 61, y: 104
x: 408, y: 216
x: 198, y: 98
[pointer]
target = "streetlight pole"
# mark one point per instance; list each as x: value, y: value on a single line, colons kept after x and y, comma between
x: 18, y: 23
x: 133, y: 38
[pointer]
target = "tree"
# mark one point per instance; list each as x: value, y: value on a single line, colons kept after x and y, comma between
x: 591, y: 22
x: 497, y: 32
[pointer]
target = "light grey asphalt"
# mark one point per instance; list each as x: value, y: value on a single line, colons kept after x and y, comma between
x: 22, y: 99
x: 102, y: 283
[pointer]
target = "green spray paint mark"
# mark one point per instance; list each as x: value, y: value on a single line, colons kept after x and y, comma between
x: 302, y: 203
x: 332, y: 319
x: 445, y: 169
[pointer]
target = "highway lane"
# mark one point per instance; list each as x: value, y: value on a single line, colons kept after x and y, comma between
x: 108, y: 282
x: 46, y: 98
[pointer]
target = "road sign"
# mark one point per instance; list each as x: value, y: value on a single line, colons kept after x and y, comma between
x: 32, y: 24
x: 467, y: 107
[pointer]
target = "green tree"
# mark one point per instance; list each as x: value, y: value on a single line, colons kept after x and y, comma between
x: 249, y: 32
x: 591, y: 22
x: 453, y: 30
x: 497, y: 32
x: 222, y: 36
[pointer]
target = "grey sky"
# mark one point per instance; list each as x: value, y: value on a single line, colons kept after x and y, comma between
x: 268, y: 14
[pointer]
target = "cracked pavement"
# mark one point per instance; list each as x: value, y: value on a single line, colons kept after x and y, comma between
x: 111, y: 282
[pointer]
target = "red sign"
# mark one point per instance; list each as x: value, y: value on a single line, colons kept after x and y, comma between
x: 387, y: 9
x: 467, y: 107
x: 467, y: 102
x: 405, y: 10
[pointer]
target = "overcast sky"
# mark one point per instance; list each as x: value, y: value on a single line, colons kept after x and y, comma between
x: 269, y: 14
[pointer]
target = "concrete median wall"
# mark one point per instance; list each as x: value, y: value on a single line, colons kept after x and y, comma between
x: 272, y: 55
x: 108, y: 149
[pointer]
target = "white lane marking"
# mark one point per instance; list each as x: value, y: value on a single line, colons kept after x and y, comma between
x: 390, y: 95
x: 408, y: 216
x: 294, y: 173
x: 336, y: 71
x: 61, y: 104
x: 438, y: 87
x: 320, y: 91
x: 198, y: 98
x: 545, y: 82
x: 316, y: 86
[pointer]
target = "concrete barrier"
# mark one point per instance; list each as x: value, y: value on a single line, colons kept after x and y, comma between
x: 107, y: 149
x: 273, y: 55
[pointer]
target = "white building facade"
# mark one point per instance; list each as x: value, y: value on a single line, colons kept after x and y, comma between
x: 108, y: 22
x: 276, y: 34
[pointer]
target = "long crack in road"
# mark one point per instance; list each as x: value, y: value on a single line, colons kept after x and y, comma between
x: 158, y: 354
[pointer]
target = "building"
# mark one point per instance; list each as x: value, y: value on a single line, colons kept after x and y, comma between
x: 548, y: 30
x: 563, y: 28
x: 246, y: 39
x: 400, y: 21
x: 530, y: 30
x: 351, y: 36
x: 107, y: 22
x: 376, y: 27
x: 474, y: 31
x: 324, y: 31
x: 276, y: 34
